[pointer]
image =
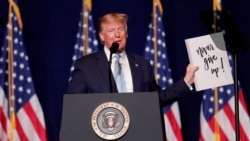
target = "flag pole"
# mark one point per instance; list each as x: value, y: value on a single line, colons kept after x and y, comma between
x: 236, y: 98
x: 10, y: 78
x: 217, y: 8
x: 216, y: 107
x: 12, y: 5
x: 85, y: 8
x: 156, y: 3
x: 155, y: 40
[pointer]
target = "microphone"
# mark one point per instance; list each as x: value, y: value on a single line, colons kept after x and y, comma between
x: 113, y: 49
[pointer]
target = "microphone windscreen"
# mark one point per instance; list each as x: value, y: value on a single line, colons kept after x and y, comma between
x: 114, y: 47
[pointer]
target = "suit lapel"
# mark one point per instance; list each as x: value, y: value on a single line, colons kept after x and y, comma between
x: 102, y: 63
x: 103, y: 66
x: 135, y: 71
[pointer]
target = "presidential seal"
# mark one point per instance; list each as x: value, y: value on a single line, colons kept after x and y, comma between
x: 110, y: 120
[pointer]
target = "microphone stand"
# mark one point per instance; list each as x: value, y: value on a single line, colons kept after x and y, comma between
x: 113, y: 49
x: 111, y: 87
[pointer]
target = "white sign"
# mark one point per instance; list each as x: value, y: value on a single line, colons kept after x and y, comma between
x: 209, y: 53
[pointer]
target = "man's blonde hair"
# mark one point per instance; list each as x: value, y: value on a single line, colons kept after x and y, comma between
x: 113, y: 17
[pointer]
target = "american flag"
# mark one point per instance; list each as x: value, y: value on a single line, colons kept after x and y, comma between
x: 86, y: 40
x: 21, y: 115
x: 156, y: 52
x: 217, y: 117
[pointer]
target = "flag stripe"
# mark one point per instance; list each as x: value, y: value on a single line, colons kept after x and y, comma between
x: 242, y: 101
x: 206, y: 132
x: 244, y: 122
x: 28, y: 109
x: 169, y: 131
x: 243, y: 135
x: 221, y: 133
x: 20, y: 130
x: 227, y: 121
x: 229, y: 113
x: 174, y: 124
x: 3, y: 117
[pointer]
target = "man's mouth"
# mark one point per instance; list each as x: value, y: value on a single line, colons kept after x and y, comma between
x: 119, y: 41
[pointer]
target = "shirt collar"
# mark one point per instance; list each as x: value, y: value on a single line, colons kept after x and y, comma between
x: 107, y: 52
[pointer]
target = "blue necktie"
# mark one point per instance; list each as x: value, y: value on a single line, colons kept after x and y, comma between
x: 118, y: 74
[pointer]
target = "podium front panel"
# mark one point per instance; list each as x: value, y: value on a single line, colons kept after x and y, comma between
x: 143, y: 109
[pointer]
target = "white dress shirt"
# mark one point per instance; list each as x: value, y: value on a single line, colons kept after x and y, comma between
x: 125, y: 68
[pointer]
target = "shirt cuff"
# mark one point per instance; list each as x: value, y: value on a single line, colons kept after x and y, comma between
x: 190, y: 87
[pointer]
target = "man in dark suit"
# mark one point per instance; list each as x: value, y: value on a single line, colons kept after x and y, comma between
x: 91, y: 73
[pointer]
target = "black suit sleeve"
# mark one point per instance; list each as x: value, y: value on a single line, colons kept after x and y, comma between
x: 77, y: 83
x: 177, y: 91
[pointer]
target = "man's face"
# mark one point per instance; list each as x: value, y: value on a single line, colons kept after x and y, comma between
x: 114, y: 32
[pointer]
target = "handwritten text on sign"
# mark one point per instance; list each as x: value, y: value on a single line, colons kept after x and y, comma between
x: 206, y: 53
x: 209, y: 53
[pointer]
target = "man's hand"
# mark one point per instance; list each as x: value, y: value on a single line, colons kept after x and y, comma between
x: 190, y: 71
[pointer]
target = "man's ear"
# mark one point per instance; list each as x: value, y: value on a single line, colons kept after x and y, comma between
x: 101, y: 36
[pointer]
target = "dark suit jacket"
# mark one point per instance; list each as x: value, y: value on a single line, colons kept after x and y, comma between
x: 91, y: 75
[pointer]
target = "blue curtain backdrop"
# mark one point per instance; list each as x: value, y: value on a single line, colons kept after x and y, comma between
x: 50, y: 28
